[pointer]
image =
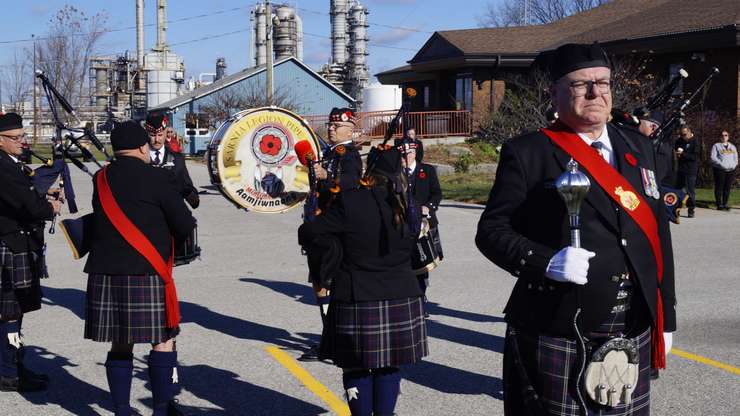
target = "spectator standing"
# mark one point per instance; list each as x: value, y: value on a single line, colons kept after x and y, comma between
x: 724, y: 162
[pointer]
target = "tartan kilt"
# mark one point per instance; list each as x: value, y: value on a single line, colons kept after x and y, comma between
x: 552, y: 365
x: 375, y: 334
x: 127, y: 309
x: 20, y: 286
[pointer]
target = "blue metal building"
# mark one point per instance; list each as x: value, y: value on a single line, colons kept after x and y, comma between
x: 307, y: 90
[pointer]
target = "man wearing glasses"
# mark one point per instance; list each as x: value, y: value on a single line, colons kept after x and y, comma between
x: 688, y: 153
x: 724, y: 162
x: 568, y: 302
x: 22, y: 216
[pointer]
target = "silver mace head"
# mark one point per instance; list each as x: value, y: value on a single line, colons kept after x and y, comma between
x: 573, y: 185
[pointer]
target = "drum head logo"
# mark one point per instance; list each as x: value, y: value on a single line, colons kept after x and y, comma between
x: 270, y: 145
x: 670, y: 198
x: 255, y: 163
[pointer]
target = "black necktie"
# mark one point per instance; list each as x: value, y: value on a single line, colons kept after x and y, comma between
x: 156, y: 157
x: 599, y: 147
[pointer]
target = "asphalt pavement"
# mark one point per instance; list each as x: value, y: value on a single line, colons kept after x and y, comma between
x: 249, y: 293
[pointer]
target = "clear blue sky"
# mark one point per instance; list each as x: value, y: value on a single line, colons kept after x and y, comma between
x: 389, y: 46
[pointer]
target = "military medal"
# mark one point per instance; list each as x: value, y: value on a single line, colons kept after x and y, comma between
x: 649, y: 183
x: 628, y: 199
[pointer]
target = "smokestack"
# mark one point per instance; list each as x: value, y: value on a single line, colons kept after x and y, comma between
x: 161, y: 25
x: 220, y: 68
x: 140, y: 33
x: 338, y: 16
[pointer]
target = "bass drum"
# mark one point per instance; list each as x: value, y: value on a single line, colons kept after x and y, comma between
x: 252, y: 161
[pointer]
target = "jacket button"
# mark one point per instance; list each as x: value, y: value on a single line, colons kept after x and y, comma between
x: 522, y: 262
x: 615, y: 278
x: 529, y: 286
x: 529, y: 253
x: 624, y: 242
x: 540, y: 288
x: 517, y: 272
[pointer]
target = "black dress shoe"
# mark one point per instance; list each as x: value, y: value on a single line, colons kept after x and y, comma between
x: 173, y: 409
x: 691, y: 214
x: 21, y: 384
x: 311, y: 355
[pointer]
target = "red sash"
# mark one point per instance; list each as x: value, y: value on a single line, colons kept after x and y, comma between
x: 140, y: 243
x: 624, y: 194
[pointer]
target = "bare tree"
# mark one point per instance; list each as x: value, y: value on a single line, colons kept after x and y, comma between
x: 527, y: 98
x: 64, y: 53
x: 17, y: 80
x: 526, y: 12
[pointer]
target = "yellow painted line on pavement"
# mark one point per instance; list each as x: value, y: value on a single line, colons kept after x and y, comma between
x: 335, y: 404
x: 706, y: 361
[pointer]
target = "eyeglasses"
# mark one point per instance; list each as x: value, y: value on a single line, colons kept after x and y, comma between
x: 337, y: 125
x: 17, y: 138
x: 581, y: 88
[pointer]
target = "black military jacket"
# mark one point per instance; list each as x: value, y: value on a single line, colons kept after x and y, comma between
x: 175, y: 162
x: 376, y: 262
x: 349, y: 166
x: 525, y: 223
x: 426, y: 189
x: 149, y: 198
x: 688, y: 162
x: 22, y: 210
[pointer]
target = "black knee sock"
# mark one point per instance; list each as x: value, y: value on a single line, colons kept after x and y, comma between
x: 118, y: 370
x: 358, y: 387
x: 9, y: 344
x: 386, y: 385
x: 161, y: 373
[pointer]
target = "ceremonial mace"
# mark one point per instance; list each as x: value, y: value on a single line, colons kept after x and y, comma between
x: 573, y: 185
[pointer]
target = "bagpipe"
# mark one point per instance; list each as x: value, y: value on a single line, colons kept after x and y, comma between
x: 674, y: 110
x: 64, y: 142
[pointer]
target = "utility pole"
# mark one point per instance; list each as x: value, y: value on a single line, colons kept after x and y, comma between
x: 268, y: 10
x: 35, y: 95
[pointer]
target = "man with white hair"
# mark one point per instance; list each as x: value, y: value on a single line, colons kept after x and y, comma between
x: 569, y: 304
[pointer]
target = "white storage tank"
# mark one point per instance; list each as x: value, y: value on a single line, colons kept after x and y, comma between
x: 164, y: 77
x: 378, y: 97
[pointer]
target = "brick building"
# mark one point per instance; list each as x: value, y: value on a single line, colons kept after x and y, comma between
x: 464, y: 69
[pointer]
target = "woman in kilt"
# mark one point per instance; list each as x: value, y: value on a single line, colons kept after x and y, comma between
x: 375, y: 322
x: 128, y: 301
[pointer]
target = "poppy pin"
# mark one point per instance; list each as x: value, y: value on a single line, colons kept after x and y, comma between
x: 422, y: 175
x: 630, y: 159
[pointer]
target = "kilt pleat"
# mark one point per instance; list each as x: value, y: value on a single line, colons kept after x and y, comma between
x: 127, y: 309
x: 375, y: 334
x: 551, y: 364
x: 20, y: 287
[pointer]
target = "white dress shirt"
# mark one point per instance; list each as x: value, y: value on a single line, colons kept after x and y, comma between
x: 607, y: 152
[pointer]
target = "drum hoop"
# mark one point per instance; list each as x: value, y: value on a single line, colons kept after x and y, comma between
x: 216, y: 150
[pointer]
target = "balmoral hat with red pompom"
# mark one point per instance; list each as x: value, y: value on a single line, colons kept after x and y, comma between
x: 342, y: 114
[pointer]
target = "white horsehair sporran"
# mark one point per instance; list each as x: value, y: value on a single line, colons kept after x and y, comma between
x: 612, y: 372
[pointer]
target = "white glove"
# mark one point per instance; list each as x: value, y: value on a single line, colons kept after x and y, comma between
x: 569, y: 265
x: 668, y: 340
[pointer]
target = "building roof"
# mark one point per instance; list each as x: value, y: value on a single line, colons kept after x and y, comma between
x: 237, y: 77
x: 617, y: 20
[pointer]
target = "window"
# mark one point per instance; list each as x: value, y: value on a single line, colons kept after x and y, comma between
x: 427, y: 93
x: 464, y: 92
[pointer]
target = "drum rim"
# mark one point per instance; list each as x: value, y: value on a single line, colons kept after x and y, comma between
x: 215, y: 151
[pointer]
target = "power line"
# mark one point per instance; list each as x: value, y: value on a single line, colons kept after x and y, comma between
x: 122, y: 29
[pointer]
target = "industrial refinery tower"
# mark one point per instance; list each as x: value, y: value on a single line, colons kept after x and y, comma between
x: 348, y: 68
x: 124, y: 87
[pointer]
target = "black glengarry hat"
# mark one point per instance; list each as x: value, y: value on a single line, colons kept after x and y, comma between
x: 10, y: 121
x: 574, y: 56
x: 128, y: 135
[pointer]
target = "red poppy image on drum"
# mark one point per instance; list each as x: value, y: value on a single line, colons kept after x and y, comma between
x: 270, y: 145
